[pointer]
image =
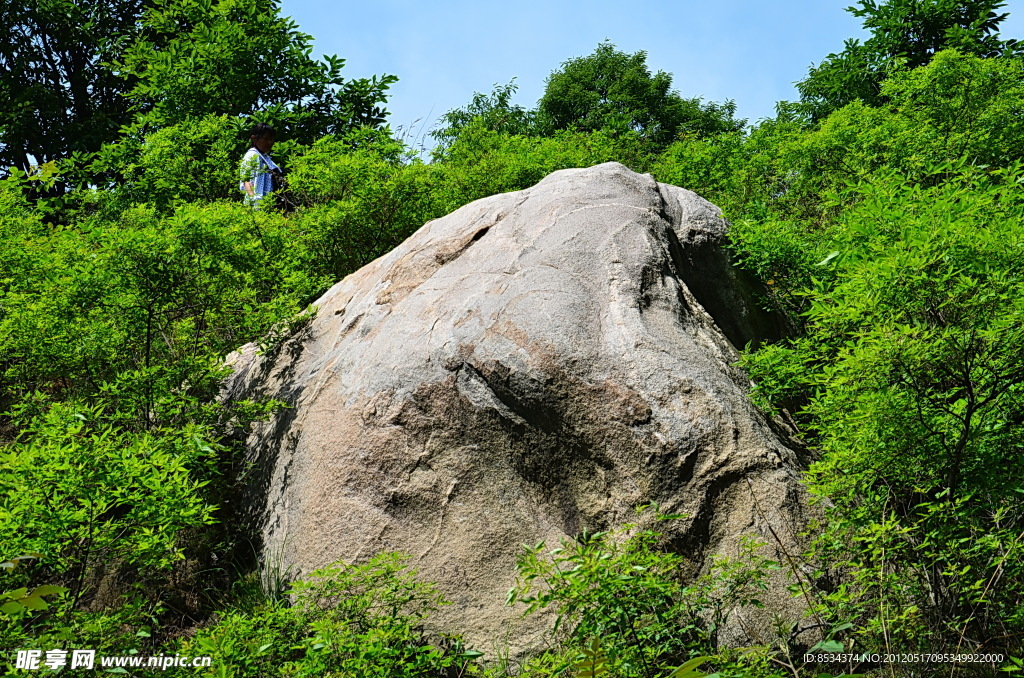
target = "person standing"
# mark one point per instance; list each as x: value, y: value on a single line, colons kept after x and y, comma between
x: 258, y: 169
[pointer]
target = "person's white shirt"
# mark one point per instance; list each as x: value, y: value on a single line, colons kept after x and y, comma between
x: 255, y: 171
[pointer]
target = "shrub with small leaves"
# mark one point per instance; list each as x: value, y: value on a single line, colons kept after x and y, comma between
x: 343, y: 620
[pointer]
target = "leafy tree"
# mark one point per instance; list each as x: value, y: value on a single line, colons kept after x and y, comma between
x: 915, y: 386
x: 73, y: 74
x: 956, y: 107
x: 495, y: 111
x: 607, y: 91
x: 613, y: 90
x: 195, y: 160
x: 58, y: 92
x: 196, y: 58
x: 904, y: 34
x: 711, y: 166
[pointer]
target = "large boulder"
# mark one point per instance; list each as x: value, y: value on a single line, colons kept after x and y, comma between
x: 531, y: 366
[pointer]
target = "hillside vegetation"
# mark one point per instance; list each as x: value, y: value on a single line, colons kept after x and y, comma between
x: 884, y: 210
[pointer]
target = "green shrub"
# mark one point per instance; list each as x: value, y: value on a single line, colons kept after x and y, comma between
x: 139, y: 312
x: 195, y: 160
x: 631, y: 595
x: 709, y: 166
x: 343, y: 620
x: 914, y: 379
x: 360, y: 199
x: 92, y: 498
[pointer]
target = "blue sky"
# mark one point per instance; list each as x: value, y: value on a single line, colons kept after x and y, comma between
x: 751, y: 51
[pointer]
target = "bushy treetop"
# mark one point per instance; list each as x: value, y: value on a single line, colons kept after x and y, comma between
x: 904, y: 34
x: 611, y: 89
x: 76, y: 75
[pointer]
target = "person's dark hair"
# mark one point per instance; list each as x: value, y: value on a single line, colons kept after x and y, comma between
x: 261, y: 129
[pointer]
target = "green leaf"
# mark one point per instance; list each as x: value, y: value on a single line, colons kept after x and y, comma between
x: 33, y: 602
x: 11, y: 608
x: 689, y: 669
x: 829, y: 259
x: 830, y: 646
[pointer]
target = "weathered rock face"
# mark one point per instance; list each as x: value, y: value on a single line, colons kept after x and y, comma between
x: 530, y: 366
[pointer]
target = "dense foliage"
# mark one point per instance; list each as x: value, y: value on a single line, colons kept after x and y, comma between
x: 884, y: 213
x: 614, y: 90
x: 60, y: 94
x: 76, y: 75
x: 608, y: 91
x: 905, y: 34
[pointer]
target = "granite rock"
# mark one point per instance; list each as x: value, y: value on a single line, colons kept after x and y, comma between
x: 531, y: 366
